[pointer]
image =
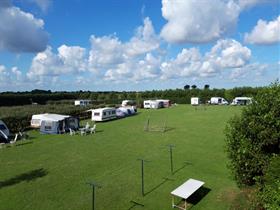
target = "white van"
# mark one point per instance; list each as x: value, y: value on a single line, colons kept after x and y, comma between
x: 241, y: 101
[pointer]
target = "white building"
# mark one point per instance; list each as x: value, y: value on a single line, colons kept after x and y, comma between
x: 103, y: 114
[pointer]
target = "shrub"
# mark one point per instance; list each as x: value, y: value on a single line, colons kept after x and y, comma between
x: 254, y: 136
x: 269, y: 194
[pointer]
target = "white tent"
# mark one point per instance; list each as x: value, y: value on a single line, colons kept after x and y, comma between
x: 55, y: 123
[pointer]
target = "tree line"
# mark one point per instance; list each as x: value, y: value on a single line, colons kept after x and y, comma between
x: 180, y: 96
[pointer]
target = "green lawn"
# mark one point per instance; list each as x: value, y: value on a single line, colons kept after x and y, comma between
x: 51, y: 171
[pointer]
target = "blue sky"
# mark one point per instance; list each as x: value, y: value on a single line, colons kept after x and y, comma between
x: 138, y: 44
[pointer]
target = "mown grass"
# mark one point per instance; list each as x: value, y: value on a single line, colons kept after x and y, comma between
x: 51, y: 171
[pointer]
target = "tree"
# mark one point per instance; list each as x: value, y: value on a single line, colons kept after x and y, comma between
x: 206, y: 87
x: 186, y: 87
x: 193, y: 86
x: 254, y: 137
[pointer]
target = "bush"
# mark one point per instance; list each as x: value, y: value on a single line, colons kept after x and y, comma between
x: 269, y: 194
x: 254, y: 137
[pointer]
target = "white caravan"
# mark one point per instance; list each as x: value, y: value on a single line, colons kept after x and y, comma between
x: 4, y: 131
x: 241, y: 101
x: 82, y: 102
x: 103, y: 114
x: 218, y: 101
x: 195, y: 101
x: 153, y: 104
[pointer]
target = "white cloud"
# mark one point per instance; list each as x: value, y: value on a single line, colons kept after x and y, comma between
x: 42, y: 4
x: 226, y: 54
x: 11, y: 78
x: 264, y: 32
x: 256, y: 69
x: 69, y: 60
x: 20, y: 31
x: 197, y: 21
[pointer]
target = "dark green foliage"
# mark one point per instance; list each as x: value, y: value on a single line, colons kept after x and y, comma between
x: 181, y: 96
x: 269, y: 195
x: 254, y: 137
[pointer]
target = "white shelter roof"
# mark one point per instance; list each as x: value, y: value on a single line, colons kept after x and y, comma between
x: 188, y: 188
x: 50, y: 117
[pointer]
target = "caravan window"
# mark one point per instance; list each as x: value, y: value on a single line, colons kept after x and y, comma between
x: 104, y: 113
x: 113, y: 112
x: 96, y: 113
x: 147, y: 103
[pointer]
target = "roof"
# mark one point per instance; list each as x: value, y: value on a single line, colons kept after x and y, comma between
x: 50, y: 117
x: 188, y: 188
x: 102, y: 109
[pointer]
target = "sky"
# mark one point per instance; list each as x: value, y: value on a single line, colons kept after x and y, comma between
x: 136, y: 45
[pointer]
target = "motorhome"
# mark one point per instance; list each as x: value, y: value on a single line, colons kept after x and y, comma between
x: 153, y: 104
x: 103, y: 114
x: 218, y: 101
x: 195, y: 101
x: 82, y: 102
x: 241, y: 101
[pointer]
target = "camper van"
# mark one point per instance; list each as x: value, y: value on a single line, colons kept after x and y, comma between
x: 241, y: 101
x: 4, y: 132
x: 218, y: 101
x: 55, y: 123
x: 195, y: 101
x: 82, y: 102
x: 153, y: 104
x: 103, y: 114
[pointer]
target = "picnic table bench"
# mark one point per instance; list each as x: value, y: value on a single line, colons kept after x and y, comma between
x: 184, y: 191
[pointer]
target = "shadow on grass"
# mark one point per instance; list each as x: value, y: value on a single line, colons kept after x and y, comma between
x: 182, y: 167
x: 135, y: 204
x: 198, y: 195
x: 27, y: 177
x: 24, y: 143
x: 168, y: 129
x: 165, y: 179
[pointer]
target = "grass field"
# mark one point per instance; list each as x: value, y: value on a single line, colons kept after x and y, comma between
x: 50, y: 171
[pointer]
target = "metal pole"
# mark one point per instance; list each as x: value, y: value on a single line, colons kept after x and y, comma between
x: 93, y: 189
x: 142, y: 172
x: 171, y: 159
x: 94, y: 185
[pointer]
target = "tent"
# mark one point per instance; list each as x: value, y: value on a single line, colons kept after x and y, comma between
x: 4, y: 132
x: 55, y: 123
x: 125, y: 111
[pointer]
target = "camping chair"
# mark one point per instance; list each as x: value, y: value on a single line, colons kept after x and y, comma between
x: 15, y: 139
x: 93, y: 129
x: 72, y: 132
